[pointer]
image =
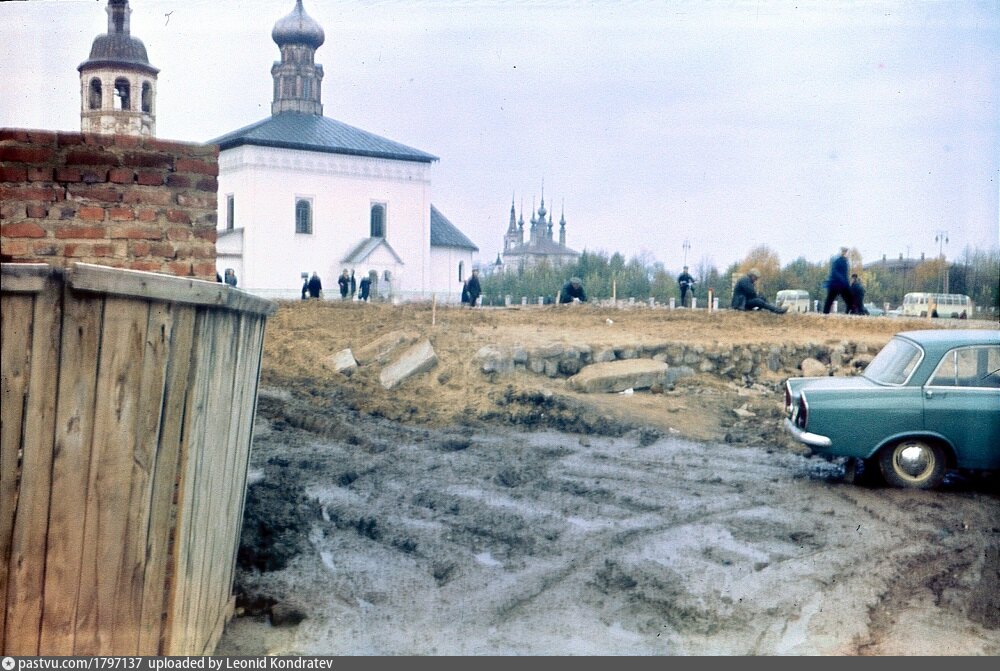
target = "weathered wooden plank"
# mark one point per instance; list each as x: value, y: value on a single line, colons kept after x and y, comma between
x: 245, y: 399
x: 24, y: 277
x: 180, y: 636
x: 156, y: 349
x: 216, y: 447
x: 26, y: 571
x: 229, y: 500
x: 156, y: 286
x: 81, y: 330
x: 16, y: 321
x: 163, y: 505
x: 116, y: 410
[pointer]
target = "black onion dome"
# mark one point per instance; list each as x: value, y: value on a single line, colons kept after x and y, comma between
x: 118, y: 49
x: 298, y: 28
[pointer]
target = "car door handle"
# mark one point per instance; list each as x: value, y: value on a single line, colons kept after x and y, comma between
x: 928, y: 393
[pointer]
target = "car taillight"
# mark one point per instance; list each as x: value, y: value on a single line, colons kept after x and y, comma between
x: 802, y: 418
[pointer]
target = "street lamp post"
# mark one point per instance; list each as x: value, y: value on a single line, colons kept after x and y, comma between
x: 942, y: 239
x: 686, y: 246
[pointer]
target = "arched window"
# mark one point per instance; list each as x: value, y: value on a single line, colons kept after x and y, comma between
x: 378, y: 221
x: 122, y: 94
x: 303, y: 216
x: 147, y: 97
x: 95, y: 94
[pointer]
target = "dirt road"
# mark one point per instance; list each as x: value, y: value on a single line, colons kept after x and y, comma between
x: 429, y: 520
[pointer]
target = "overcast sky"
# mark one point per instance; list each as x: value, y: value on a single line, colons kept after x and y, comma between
x: 798, y: 125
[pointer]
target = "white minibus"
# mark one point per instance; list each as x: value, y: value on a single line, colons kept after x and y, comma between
x: 948, y: 306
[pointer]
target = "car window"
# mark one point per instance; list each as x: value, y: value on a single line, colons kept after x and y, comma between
x: 969, y: 367
x: 894, y: 362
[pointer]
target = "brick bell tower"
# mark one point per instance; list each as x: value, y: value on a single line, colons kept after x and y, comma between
x: 117, y: 83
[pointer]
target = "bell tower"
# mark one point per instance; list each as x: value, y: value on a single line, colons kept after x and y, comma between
x: 297, y: 76
x: 117, y: 83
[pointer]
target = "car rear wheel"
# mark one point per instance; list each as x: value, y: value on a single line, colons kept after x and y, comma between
x: 913, y: 463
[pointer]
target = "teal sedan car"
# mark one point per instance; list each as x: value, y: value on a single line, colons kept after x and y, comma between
x: 929, y: 402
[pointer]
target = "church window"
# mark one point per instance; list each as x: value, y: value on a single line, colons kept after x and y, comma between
x: 306, y: 93
x: 147, y: 97
x: 303, y: 216
x: 122, y: 94
x: 461, y: 271
x: 95, y: 94
x: 230, y: 212
x: 378, y: 221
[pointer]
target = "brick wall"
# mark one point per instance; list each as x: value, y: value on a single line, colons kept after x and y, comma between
x: 113, y: 200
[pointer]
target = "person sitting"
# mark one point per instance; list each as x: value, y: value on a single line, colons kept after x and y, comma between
x: 572, y: 292
x: 745, y: 295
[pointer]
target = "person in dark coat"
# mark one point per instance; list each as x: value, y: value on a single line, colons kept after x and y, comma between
x: 858, y: 295
x: 837, y: 283
x: 685, y: 282
x: 315, y: 286
x: 473, y: 289
x: 354, y: 285
x: 573, y: 291
x: 745, y: 295
x: 230, y: 278
x: 345, y: 283
x: 364, y: 288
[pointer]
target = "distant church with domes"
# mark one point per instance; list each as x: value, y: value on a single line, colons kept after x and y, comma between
x: 540, y: 244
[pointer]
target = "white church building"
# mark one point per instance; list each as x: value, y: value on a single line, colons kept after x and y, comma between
x: 300, y: 192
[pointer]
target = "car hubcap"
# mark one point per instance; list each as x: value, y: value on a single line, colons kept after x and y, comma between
x: 914, y: 460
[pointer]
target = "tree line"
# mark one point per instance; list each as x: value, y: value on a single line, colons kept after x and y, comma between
x: 975, y: 273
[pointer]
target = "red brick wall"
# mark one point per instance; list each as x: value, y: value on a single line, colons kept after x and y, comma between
x: 113, y: 200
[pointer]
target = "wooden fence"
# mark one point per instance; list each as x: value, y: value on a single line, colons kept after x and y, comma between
x: 127, y: 413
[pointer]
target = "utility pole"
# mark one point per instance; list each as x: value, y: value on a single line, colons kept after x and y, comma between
x: 942, y: 239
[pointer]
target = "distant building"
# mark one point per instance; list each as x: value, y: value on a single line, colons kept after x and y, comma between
x: 117, y: 83
x: 539, y: 246
x: 300, y: 192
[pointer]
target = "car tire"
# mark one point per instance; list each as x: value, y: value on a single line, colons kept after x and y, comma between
x: 913, y: 463
x: 862, y: 472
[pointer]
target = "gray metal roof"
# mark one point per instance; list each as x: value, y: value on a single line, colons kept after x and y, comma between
x: 445, y: 234
x: 117, y: 50
x: 311, y: 132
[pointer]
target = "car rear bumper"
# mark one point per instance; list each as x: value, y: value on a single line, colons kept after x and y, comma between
x: 810, y: 439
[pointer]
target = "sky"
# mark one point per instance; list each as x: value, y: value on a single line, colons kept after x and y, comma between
x: 676, y: 132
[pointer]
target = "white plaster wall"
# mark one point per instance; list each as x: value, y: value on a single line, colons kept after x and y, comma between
x: 266, y: 183
x: 444, y: 272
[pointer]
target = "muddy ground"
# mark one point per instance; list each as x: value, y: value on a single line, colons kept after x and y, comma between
x: 465, y: 513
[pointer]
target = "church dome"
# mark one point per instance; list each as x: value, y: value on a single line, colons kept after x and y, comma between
x: 298, y: 28
x: 118, y: 49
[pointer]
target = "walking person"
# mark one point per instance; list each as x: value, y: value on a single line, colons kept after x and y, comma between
x: 858, y: 295
x: 837, y: 283
x: 364, y: 288
x: 354, y: 285
x: 315, y: 286
x: 473, y: 289
x: 685, y: 282
x: 745, y: 295
x: 345, y: 284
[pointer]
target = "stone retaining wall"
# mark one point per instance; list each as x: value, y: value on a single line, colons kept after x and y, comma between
x: 733, y: 362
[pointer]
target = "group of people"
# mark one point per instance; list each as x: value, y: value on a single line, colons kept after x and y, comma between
x: 837, y: 285
x: 313, y: 287
x: 745, y: 296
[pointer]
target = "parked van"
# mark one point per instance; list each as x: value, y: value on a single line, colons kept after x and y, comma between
x: 950, y: 306
x: 796, y: 300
